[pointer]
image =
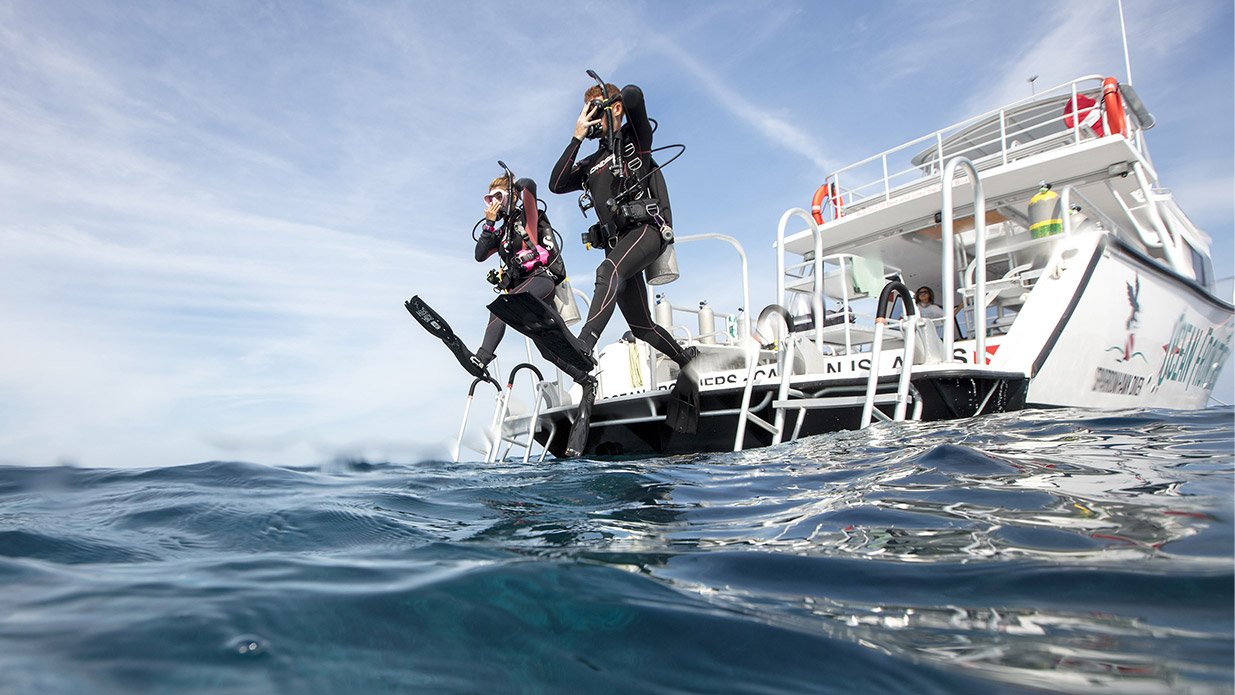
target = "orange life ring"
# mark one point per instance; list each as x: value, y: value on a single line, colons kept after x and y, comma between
x: 816, y: 203
x: 827, y: 190
x: 1114, y: 106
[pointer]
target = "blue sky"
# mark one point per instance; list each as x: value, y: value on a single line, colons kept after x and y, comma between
x: 210, y: 213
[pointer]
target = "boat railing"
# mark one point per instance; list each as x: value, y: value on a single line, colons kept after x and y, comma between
x: 1154, y: 232
x: 707, y: 335
x: 665, y: 309
x: 744, y: 311
x: 1054, y: 118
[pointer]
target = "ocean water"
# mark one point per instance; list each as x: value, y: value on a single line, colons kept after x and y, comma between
x: 1051, y: 550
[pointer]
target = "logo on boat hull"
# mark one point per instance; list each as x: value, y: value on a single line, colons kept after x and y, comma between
x: 1128, y: 350
x: 1194, y: 357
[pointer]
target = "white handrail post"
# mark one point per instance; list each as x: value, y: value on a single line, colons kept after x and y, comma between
x: 752, y: 360
x: 817, y: 295
x: 1076, y: 116
x: 949, y: 261
x: 887, y: 185
x: 786, y: 372
x: 909, y: 329
x: 1003, y: 134
x: 872, y: 378
x: 845, y: 311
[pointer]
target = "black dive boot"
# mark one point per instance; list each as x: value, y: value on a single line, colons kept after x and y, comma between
x: 577, y: 441
x: 682, y: 408
x: 482, y: 358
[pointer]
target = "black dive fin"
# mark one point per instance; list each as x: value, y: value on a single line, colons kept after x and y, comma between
x: 540, y: 322
x: 435, y: 324
x: 682, y: 409
x: 576, y: 442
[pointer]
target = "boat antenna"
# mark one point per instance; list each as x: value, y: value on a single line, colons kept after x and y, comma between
x: 1123, y: 29
x: 1031, y: 80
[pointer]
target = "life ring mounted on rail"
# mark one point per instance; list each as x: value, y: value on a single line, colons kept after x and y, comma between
x: 829, y: 191
x: 1082, y: 112
x: 1114, y: 106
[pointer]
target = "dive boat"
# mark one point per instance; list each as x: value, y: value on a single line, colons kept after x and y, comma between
x: 1067, y: 276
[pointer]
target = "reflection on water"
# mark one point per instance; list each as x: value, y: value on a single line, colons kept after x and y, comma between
x: 1060, y: 550
x: 1053, y: 549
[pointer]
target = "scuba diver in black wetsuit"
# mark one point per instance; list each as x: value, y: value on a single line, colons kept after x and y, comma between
x: 630, y: 227
x: 520, y: 234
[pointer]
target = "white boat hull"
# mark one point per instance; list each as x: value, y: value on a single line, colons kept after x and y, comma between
x: 1128, y: 333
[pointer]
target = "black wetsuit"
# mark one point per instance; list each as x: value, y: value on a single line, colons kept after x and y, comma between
x: 540, y: 282
x: 619, y: 279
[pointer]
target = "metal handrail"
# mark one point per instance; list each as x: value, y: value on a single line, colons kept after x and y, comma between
x: 949, y: 258
x: 751, y: 364
x: 467, y: 411
x: 909, y: 329
x: 499, y: 420
x: 744, y: 326
x: 817, y: 294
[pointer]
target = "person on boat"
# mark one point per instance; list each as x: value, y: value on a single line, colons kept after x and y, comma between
x: 629, y: 230
x: 520, y: 234
x: 927, y: 308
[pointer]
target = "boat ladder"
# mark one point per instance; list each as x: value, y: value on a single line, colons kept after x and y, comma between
x: 801, y: 278
x: 784, y: 365
x: 787, y: 398
x: 909, y: 324
x: 467, y: 411
x: 502, y: 428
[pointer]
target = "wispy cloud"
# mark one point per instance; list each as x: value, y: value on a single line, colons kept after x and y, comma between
x: 777, y: 129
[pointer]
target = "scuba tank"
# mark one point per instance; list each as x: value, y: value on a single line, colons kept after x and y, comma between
x: 707, y: 324
x: 664, y: 269
x: 1079, y: 221
x: 664, y: 312
x: 1045, y: 215
x: 564, y: 302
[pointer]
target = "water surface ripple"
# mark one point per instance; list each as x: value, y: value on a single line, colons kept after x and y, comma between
x: 1052, y: 550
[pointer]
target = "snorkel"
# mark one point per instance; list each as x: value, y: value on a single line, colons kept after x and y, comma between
x: 606, y: 106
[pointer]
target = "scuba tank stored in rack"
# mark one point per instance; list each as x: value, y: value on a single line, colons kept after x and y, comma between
x: 1045, y: 213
